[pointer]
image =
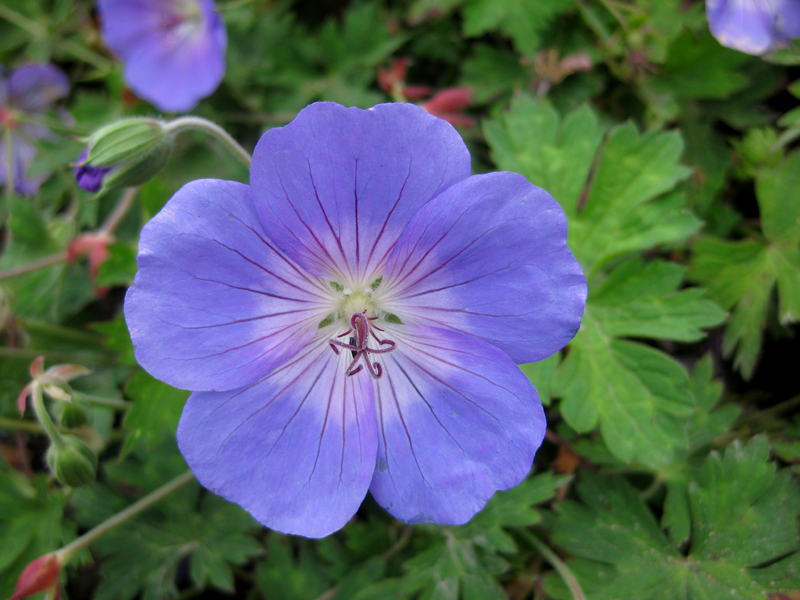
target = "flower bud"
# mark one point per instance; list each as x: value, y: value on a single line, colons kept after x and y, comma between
x: 73, y: 414
x: 38, y: 576
x: 123, y: 154
x: 72, y: 461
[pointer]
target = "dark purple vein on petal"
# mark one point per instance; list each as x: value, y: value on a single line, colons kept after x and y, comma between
x: 300, y: 272
x: 430, y: 408
x: 405, y: 427
x: 388, y: 218
x: 327, y: 220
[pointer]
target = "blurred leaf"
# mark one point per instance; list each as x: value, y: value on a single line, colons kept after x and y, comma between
x: 120, y: 266
x: 698, y: 67
x: 31, y: 523
x: 523, y: 21
x: 143, y: 556
x: 743, y: 516
x: 117, y: 339
x: 291, y: 577
x: 742, y: 275
x: 491, y: 71
x: 155, y: 411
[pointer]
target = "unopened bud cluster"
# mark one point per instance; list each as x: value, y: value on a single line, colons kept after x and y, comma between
x: 123, y: 154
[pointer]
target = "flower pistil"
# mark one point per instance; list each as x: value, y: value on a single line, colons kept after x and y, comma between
x: 362, y: 328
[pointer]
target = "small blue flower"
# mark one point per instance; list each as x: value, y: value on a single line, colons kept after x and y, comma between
x: 754, y: 26
x: 28, y: 92
x: 352, y: 320
x: 173, y: 50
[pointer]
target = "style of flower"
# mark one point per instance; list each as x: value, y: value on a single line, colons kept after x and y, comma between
x: 754, y: 26
x: 28, y: 92
x: 173, y: 50
x: 352, y: 320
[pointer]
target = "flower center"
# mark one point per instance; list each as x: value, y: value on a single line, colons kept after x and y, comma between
x: 183, y: 18
x: 361, y: 330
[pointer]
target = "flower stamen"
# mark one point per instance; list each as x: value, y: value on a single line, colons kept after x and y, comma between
x: 361, y: 329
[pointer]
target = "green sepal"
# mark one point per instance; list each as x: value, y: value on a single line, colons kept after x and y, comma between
x: 123, y: 141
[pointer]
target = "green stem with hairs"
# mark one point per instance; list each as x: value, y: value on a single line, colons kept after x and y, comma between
x: 44, y: 417
x: 558, y: 564
x: 214, y: 130
x: 121, y: 517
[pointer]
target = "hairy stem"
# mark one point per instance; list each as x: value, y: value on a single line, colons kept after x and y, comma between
x: 118, y: 519
x: 43, y: 416
x: 214, y: 130
x: 558, y: 564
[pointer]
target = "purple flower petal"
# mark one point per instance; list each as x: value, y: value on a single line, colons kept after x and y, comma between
x: 297, y: 449
x: 336, y: 186
x: 753, y: 26
x: 34, y: 88
x: 174, y: 52
x: 489, y: 257
x: 214, y: 306
x: 457, y: 421
x: 788, y: 21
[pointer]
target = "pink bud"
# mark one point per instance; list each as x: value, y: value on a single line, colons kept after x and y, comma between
x: 38, y: 576
x: 21, y: 399
x: 448, y: 103
x: 449, y: 100
x: 417, y: 92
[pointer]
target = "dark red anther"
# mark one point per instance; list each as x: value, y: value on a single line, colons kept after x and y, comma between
x: 361, y: 330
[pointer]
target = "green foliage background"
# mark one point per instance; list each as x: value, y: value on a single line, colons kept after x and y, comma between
x: 670, y: 466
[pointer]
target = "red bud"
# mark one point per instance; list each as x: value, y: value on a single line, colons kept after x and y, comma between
x: 38, y: 576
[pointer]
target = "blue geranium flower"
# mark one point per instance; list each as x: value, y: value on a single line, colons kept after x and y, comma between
x: 28, y: 92
x: 352, y: 320
x: 173, y: 50
x: 754, y: 26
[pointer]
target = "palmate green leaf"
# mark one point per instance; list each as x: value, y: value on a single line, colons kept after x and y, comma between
x: 462, y: 562
x: 31, y: 523
x: 617, y: 190
x: 617, y: 210
x: 639, y: 396
x: 190, y: 527
x: 743, y: 515
x: 143, y: 556
x: 742, y: 275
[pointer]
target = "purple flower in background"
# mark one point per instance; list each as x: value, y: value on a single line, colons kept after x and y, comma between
x: 754, y: 26
x: 173, y: 50
x: 27, y: 93
x: 353, y: 320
